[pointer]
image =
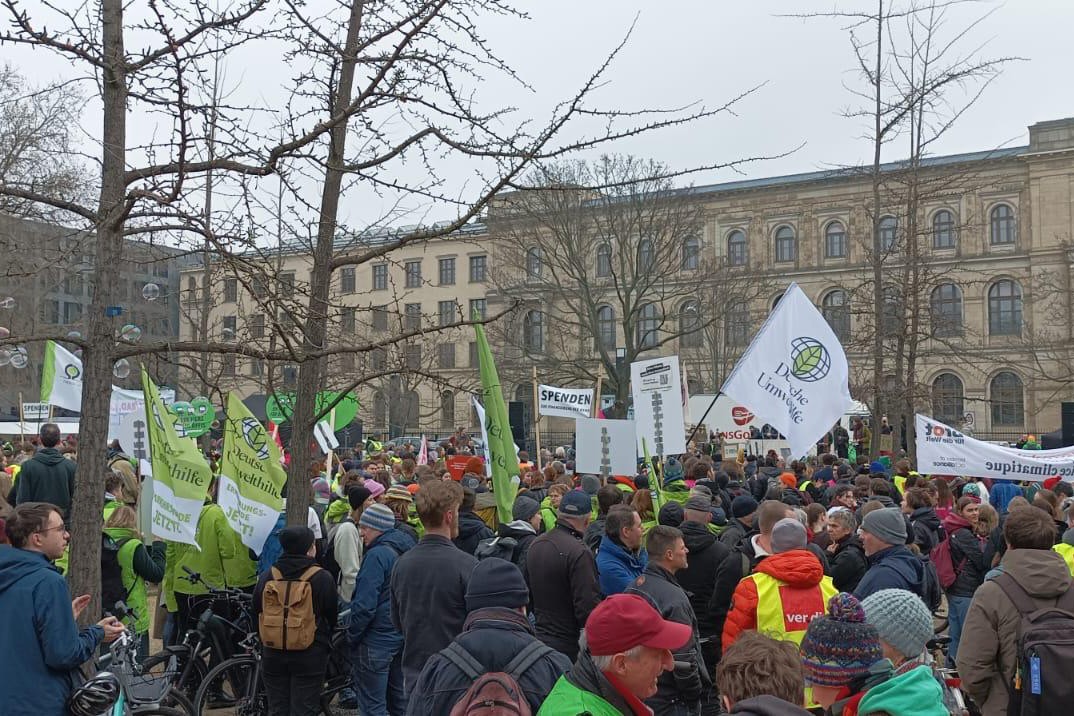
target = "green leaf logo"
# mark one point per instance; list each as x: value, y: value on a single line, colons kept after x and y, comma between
x: 810, y: 361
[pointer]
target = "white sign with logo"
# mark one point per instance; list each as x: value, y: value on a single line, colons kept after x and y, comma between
x: 325, y: 436
x: 565, y: 402
x: 794, y: 375
x: 943, y: 450
x: 656, y: 388
x: 606, y: 447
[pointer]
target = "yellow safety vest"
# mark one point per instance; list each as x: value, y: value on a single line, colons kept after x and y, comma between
x: 1067, y: 551
x: 899, y: 482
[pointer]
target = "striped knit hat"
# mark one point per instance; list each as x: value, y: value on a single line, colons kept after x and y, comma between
x: 377, y: 517
x: 840, y: 646
x: 398, y: 492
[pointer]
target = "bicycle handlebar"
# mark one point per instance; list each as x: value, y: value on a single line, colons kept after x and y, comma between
x: 230, y: 592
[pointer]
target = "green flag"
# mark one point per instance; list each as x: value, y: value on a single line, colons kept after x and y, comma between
x: 251, y: 476
x: 181, y: 475
x: 501, y: 447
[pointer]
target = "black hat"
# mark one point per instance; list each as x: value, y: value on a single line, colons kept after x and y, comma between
x: 296, y: 540
x: 524, y: 508
x: 496, y: 582
x: 671, y: 514
x: 743, y: 505
x: 357, y: 495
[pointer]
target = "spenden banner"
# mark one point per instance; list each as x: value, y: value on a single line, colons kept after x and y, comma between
x: 565, y: 402
x: 942, y: 450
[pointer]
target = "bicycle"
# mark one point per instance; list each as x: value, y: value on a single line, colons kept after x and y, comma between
x: 954, y: 700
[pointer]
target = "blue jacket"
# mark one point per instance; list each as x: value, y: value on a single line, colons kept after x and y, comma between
x: 371, y: 608
x: 618, y: 568
x: 40, y: 645
x: 892, y: 568
x: 1002, y: 493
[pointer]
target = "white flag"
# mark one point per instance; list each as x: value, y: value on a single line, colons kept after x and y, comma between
x: 794, y: 376
x: 61, y: 377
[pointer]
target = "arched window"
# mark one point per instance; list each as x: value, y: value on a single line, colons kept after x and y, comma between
x: 736, y: 248
x: 533, y: 331
x: 606, y: 327
x: 646, y: 256
x: 534, y: 266
x: 946, y: 310
x: 648, y: 326
x: 737, y: 325
x: 691, y: 254
x: 1008, y: 403
x: 836, y: 310
x: 447, y: 409
x: 943, y: 230
x: 947, y: 399
x: 786, y: 245
x: 1002, y: 228
x: 1005, y: 308
x: 604, y: 261
x: 192, y: 286
x: 380, y: 412
x: 835, y: 241
x: 690, y: 324
x: 889, y: 229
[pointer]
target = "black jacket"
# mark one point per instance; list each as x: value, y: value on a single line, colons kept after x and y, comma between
x: 429, y: 599
x: 927, y: 528
x: 472, y: 529
x: 684, y: 684
x: 735, y: 532
x: 47, y: 477
x: 966, y: 553
x: 523, y: 537
x: 727, y: 578
x: 699, y: 578
x: 494, y: 637
x: 848, y: 564
x: 767, y: 706
x: 594, y: 533
x: 563, y: 582
x: 325, y: 601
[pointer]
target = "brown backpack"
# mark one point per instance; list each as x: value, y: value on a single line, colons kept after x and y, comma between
x: 287, y: 621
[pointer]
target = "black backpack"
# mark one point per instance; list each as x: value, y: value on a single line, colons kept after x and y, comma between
x: 494, y: 693
x: 112, y: 589
x: 1042, y: 685
x: 502, y: 547
x: 328, y: 559
x: 931, y: 590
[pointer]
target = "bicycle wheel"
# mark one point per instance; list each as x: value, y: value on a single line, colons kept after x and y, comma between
x: 158, y: 711
x: 234, y: 687
x: 191, y: 672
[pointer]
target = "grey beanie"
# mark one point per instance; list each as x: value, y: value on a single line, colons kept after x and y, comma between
x: 524, y: 508
x: 901, y: 619
x: 887, y: 524
x: 590, y: 484
x: 788, y: 534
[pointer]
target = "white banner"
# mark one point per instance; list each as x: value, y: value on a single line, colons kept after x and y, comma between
x: 606, y: 447
x: 656, y: 387
x: 565, y: 402
x: 794, y: 375
x: 35, y: 412
x: 325, y: 436
x: 942, y: 450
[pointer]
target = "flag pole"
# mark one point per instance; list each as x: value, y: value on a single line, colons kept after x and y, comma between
x: 537, y: 420
x: 596, y: 403
x: 22, y: 421
x: 331, y: 452
x: 705, y: 415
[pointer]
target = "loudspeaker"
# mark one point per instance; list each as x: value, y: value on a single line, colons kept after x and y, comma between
x: 1066, y: 411
x: 518, y: 415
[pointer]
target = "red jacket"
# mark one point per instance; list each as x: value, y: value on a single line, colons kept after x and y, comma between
x: 799, y: 569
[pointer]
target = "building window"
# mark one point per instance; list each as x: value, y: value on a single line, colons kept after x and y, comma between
x: 1005, y: 308
x: 50, y: 312
x: 446, y: 355
x: 286, y: 282
x: 606, y: 327
x: 346, y: 279
x: 347, y: 319
x: 231, y: 289
x: 346, y: 362
x: 412, y: 271
x: 286, y: 321
x: 836, y: 310
x: 737, y: 326
x: 736, y: 249
x: 478, y: 269
x: 947, y: 399
x: 72, y: 284
x: 786, y: 245
x: 227, y: 364
x: 690, y: 325
x: 691, y: 254
x: 380, y: 277
x: 889, y: 229
x: 447, y: 272
x: 380, y: 318
x: 533, y: 264
x: 413, y: 356
x: 943, y: 230
x: 447, y: 410
x: 946, y: 310
x: 478, y: 308
x: 893, y: 313
x: 1001, y: 226
x: 256, y: 325
x: 604, y: 261
x: 380, y: 411
x: 1008, y: 407
x: 258, y: 287
x: 412, y: 311
x: 257, y: 367
x: 289, y: 374
x: 72, y: 312
x: 474, y: 363
x: 646, y: 256
x: 533, y: 331
x: 378, y: 359
x: 835, y: 241
x: 228, y: 328
x: 448, y: 312
x: 648, y: 331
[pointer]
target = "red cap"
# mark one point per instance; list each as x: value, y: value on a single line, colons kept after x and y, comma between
x: 624, y: 621
x: 1051, y: 482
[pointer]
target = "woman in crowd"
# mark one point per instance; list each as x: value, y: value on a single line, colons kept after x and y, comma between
x: 817, y: 518
x: 968, y: 560
x: 138, y: 564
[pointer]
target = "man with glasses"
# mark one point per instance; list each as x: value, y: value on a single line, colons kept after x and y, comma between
x: 41, y: 647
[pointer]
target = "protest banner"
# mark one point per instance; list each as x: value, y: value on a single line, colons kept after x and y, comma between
x: 606, y: 447
x: 497, y: 431
x: 943, y: 450
x: 656, y: 387
x: 564, y: 402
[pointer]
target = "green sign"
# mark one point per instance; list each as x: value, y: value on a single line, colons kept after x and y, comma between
x: 280, y: 406
x: 196, y: 416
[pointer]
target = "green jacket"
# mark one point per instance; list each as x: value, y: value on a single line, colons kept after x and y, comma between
x: 548, y: 514
x: 138, y: 565
x: 214, y: 537
x: 337, y: 511
x: 910, y: 694
x: 566, y: 699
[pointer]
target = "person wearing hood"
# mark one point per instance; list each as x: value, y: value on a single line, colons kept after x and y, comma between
x: 621, y: 558
x: 523, y: 527
x: 891, y: 564
x: 927, y: 529
x: 472, y: 529
x: 698, y: 578
x: 41, y: 646
x: 608, y: 497
x: 970, y: 567
x: 743, y: 522
x: 847, y: 563
x: 761, y: 676
x: 138, y: 564
x: 48, y: 476
x: 787, y: 590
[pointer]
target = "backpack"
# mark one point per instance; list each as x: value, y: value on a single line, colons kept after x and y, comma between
x: 112, y: 589
x: 502, y: 547
x: 328, y: 559
x: 494, y: 693
x: 941, y: 559
x: 931, y: 590
x: 1042, y: 683
x: 287, y: 621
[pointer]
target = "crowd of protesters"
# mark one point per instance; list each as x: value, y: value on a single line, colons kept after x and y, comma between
x: 703, y: 585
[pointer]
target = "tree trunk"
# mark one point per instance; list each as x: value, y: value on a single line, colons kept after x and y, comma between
x: 878, y: 274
